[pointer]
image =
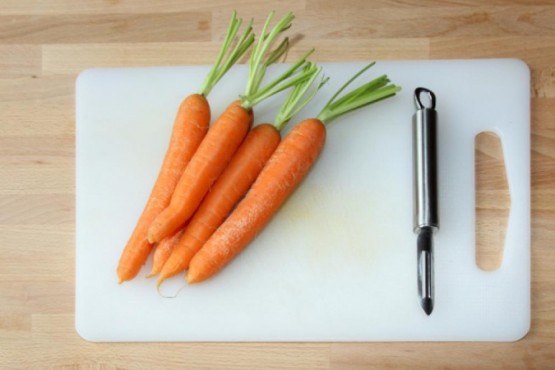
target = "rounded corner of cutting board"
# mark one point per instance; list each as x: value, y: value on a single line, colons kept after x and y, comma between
x: 84, y: 77
x: 521, y: 331
x: 83, y: 331
x: 521, y: 65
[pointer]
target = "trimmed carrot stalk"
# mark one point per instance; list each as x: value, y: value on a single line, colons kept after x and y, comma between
x: 241, y: 172
x: 284, y: 171
x: 212, y: 156
x: 238, y: 176
x: 163, y: 251
x: 190, y: 127
x: 225, y: 136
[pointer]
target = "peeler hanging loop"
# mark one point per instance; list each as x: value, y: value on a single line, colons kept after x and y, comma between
x: 418, y: 100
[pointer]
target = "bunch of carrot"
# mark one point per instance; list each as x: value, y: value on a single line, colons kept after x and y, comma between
x: 197, y: 155
x: 237, y: 178
x: 189, y: 129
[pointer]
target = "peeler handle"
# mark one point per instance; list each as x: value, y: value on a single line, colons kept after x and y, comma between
x: 424, y: 124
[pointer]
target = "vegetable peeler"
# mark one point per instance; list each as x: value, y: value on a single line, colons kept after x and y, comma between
x: 426, y: 217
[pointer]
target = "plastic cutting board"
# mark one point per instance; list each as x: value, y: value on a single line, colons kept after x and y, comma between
x: 338, y: 262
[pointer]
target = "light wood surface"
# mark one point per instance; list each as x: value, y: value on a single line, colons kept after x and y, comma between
x: 45, y: 43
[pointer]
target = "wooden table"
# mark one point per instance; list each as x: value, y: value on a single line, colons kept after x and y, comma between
x: 44, y: 44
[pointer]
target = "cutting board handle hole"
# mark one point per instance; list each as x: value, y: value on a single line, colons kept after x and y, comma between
x: 493, y: 201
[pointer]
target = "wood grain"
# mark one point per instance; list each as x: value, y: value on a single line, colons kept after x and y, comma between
x: 44, y: 44
x: 493, y: 201
x: 39, y: 29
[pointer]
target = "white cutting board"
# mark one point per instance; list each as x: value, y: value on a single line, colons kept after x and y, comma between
x: 338, y: 263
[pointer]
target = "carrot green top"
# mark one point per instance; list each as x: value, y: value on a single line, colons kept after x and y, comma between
x: 370, y: 92
x: 298, y: 98
x: 227, y: 56
x: 262, y: 57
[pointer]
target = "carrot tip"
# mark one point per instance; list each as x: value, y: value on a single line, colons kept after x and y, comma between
x: 158, y: 283
x: 192, y: 279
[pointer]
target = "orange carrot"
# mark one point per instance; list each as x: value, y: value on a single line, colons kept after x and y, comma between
x: 237, y: 178
x: 163, y: 251
x: 283, y: 172
x: 225, y: 136
x: 230, y: 187
x: 190, y: 127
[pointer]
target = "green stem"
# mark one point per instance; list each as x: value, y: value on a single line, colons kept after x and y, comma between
x: 261, y: 58
x: 271, y: 59
x: 349, y: 82
x: 227, y: 57
x: 369, y: 93
x: 275, y: 84
x: 297, y: 98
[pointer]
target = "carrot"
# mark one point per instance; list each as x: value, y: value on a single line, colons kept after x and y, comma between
x: 189, y: 129
x: 163, y: 251
x: 236, y: 179
x: 283, y: 172
x: 227, y: 133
